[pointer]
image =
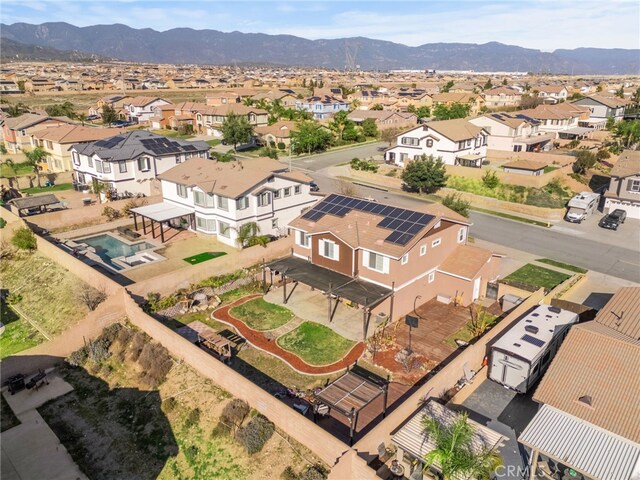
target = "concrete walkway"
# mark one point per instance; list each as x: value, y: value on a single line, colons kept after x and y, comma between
x: 31, y: 449
x: 284, y: 329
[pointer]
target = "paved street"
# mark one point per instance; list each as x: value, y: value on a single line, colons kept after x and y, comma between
x: 324, y: 160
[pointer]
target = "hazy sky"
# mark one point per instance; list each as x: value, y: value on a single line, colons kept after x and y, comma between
x: 542, y: 24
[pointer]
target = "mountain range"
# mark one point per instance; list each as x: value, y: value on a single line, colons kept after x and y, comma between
x: 188, y: 46
x: 10, y: 50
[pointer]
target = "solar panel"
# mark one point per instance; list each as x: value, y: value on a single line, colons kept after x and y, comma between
x: 395, y: 223
x: 342, y: 211
x: 384, y: 223
x: 405, y: 226
x: 415, y: 216
x: 404, y: 239
x: 395, y: 212
x: 386, y: 210
x: 424, y: 219
x: 352, y: 202
x: 532, y: 340
x: 405, y: 214
x: 343, y: 201
x: 415, y: 228
x: 393, y: 236
x: 377, y: 208
x: 368, y: 207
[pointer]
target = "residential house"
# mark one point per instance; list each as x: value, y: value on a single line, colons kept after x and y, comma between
x: 624, y: 186
x: 56, y: 142
x: 587, y: 423
x: 411, y: 97
x: 457, y: 142
x: 552, y: 93
x: 17, y: 131
x: 114, y: 101
x: 237, y: 95
x: 365, y: 99
x: 174, y: 116
x: 561, y: 120
x: 475, y: 102
x: 500, y: 97
x: 8, y: 87
x: 69, y: 85
x: 132, y: 161
x: 140, y: 109
x: 385, y: 252
x: 287, y: 97
x: 209, y: 120
x: 323, y: 107
x: 225, y: 196
x: 384, y: 118
x: 602, y: 108
x: 276, y: 134
x: 513, y: 132
x: 38, y: 84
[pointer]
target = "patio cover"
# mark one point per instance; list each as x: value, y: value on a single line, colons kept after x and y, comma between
x: 588, y: 449
x: 412, y: 439
x: 355, y: 290
x: 577, y: 130
x: 161, y: 212
x: 34, y: 201
x: 533, y: 140
x: 470, y: 157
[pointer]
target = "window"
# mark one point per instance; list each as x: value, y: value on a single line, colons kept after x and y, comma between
x: 206, y: 224
x: 223, y: 203
x: 144, y: 164
x: 423, y: 250
x: 264, y: 199
x: 429, y: 143
x: 98, y: 165
x: 274, y: 223
x: 462, y: 233
x: 431, y: 277
x: 224, y: 229
x: 122, y: 167
x: 436, y: 242
x: 404, y: 259
x: 178, y: 159
x: 329, y: 249
x: 634, y: 185
x: 287, y: 192
x: 90, y: 162
x: 375, y: 262
x: 76, y: 158
x: 303, y: 239
x: 468, y: 143
x: 106, y: 167
x: 276, y: 194
x: 517, y: 148
x: 198, y: 198
x: 461, y: 145
x: 297, y: 190
x: 242, y: 203
x: 182, y: 190
x: 410, y: 141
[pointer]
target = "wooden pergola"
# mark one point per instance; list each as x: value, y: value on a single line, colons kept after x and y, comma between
x: 161, y: 213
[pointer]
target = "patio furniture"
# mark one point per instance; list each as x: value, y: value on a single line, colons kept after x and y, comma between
x: 302, y: 407
x: 397, y: 470
x: 16, y: 383
x: 87, y: 201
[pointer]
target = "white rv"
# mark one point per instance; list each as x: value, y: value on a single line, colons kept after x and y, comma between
x: 581, y: 206
x: 522, y: 354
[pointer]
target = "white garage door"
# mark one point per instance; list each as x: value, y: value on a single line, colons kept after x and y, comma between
x: 632, y: 209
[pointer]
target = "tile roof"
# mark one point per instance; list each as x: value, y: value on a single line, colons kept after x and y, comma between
x: 25, y: 120
x: 142, y: 101
x: 281, y: 129
x: 229, y: 179
x: 622, y: 312
x: 74, y: 133
x: 628, y: 164
x: 558, y: 111
x: 465, y: 261
x: 457, y: 130
x: 502, y: 90
x: 611, y: 102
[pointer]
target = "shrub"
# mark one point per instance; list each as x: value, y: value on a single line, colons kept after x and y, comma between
x: 234, y: 413
x: 14, y: 298
x: 220, y: 280
x: 111, y: 213
x: 24, y: 239
x: 457, y: 204
x: 289, y: 474
x: 91, y: 297
x: 314, y: 472
x: 78, y: 358
x: 257, y: 432
x: 573, y: 144
x: 155, y: 362
x: 98, y: 350
x: 281, y: 146
x: 3, y: 222
x: 490, y: 179
x: 584, y: 161
x: 425, y: 175
x: 137, y: 342
x: 603, y: 154
x: 132, y: 203
x: 111, y: 333
x: 193, y: 418
x: 169, y: 404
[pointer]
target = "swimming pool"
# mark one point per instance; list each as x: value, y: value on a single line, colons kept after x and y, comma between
x: 108, y: 247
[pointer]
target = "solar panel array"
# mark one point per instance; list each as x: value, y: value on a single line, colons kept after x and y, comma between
x: 109, y: 142
x: 163, y: 146
x: 532, y: 340
x: 404, y: 224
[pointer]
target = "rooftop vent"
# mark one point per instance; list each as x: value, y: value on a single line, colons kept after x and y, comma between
x: 531, y: 329
x: 586, y: 399
x: 555, y: 309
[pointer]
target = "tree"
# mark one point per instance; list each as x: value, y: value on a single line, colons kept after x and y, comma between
x: 584, y: 161
x: 421, y: 112
x: 249, y: 235
x: 455, y: 202
x: 504, y: 81
x: 627, y: 133
x: 16, y: 110
x: 490, y: 179
x: 377, y: 106
x: 34, y: 158
x: 339, y: 123
x: 310, y: 136
x: 445, y: 88
x: 455, y: 452
x: 369, y: 128
x: 456, y: 110
x: 236, y: 129
x: 10, y: 165
x: 620, y: 92
x: 389, y: 134
x: 65, y: 109
x: 636, y: 96
x: 109, y: 114
x: 488, y: 85
x: 603, y: 154
x: 24, y: 239
x: 425, y: 175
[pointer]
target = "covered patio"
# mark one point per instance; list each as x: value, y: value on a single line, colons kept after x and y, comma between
x: 162, y: 213
x: 474, y: 161
x: 575, y: 133
x: 335, y: 286
x: 34, y: 205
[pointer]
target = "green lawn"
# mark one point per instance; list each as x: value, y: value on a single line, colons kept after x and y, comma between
x: 20, y: 169
x: 261, y: 315
x: 565, y: 266
x: 203, y: 257
x: 56, y: 188
x: 18, y: 334
x: 549, y: 168
x: 534, y: 276
x: 214, y: 142
x: 316, y: 344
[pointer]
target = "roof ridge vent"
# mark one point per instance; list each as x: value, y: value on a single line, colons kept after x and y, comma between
x: 586, y: 399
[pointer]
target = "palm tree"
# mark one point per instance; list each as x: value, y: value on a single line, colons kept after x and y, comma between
x: 454, y: 454
x: 34, y: 158
x: 249, y: 235
x: 17, y: 109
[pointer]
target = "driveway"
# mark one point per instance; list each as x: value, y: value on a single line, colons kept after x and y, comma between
x: 627, y: 236
x: 504, y: 411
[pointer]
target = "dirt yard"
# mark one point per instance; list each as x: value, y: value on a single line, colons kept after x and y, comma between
x: 116, y: 426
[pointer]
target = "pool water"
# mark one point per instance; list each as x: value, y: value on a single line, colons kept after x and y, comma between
x: 108, y: 247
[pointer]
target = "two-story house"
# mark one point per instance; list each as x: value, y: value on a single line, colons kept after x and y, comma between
x: 553, y: 93
x: 141, y: 109
x: 223, y: 196
x: 384, y: 118
x: 624, y: 186
x: 457, y: 142
x: 603, y: 108
x: 561, y: 120
x: 132, y: 161
x: 209, y: 120
x: 475, y: 102
x: 383, y: 251
x: 513, y: 132
x: 16, y: 131
x: 500, y: 97
x: 56, y: 142
x: 322, y: 107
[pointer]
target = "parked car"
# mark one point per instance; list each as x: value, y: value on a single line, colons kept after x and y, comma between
x: 313, y: 186
x: 93, y: 117
x: 614, y: 219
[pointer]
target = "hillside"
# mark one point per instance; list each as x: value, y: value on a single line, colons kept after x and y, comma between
x: 11, y: 50
x: 185, y: 45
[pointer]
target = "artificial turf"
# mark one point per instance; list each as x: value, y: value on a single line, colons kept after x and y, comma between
x: 203, y: 257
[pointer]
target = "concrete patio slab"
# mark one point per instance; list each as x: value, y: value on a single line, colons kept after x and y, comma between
x: 26, y: 400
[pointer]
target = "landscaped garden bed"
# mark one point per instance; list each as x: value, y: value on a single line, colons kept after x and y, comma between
x: 315, y: 344
x: 534, y: 277
x: 261, y: 315
x: 564, y: 266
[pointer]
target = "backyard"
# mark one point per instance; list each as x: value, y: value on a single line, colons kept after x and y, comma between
x: 122, y: 421
x: 534, y: 277
x: 261, y: 315
x: 316, y: 344
x: 58, y: 187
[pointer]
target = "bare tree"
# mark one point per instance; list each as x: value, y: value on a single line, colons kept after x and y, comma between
x: 346, y: 188
x: 91, y: 297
